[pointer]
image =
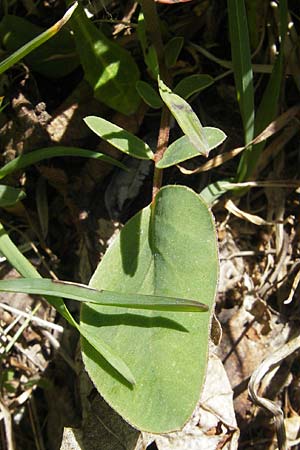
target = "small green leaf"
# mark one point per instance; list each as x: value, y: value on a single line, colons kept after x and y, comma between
x: 182, y: 149
x: 172, y: 50
x: 149, y: 95
x: 56, y: 58
x: 118, y: 137
x: 185, y: 117
x: 82, y: 293
x: 192, y: 85
x: 167, y: 249
x: 108, y: 68
x: 28, y: 159
x: 150, y: 56
x: 36, y: 42
x: 10, y: 195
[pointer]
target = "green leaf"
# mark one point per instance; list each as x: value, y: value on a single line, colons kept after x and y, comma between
x: 185, y: 117
x: 172, y: 50
x: 192, y: 85
x: 26, y: 269
x: 269, y: 104
x: 109, y: 68
x: 56, y: 58
x: 182, y: 149
x: 242, y: 68
x: 36, y: 42
x: 149, y: 95
x: 211, y: 193
x: 118, y: 137
x: 28, y: 159
x: 82, y: 293
x: 167, y: 249
x: 10, y: 195
x: 150, y: 56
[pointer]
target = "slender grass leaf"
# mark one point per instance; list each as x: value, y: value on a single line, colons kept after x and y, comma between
x: 36, y: 42
x: 167, y: 249
x: 182, y: 149
x: 104, y: 350
x: 109, y: 69
x: 26, y: 269
x: 41, y: 200
x: 242, y: 68
x: 193, y: 84
x: 82, y: 293
x: 10, y: 196
x: 268, y: 106
x: 28, y: 159
x: 185, y: 117
x: 256, y: 21
x: 118, y: 137
x: 149, y: 95
x: 172, y: 50
x: 56, y: 58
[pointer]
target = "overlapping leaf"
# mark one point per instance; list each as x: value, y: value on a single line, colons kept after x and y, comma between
x: 167, y: 249
x: 182, y: 149
x: 185, y: 117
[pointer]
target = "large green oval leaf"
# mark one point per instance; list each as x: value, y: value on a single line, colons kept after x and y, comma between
x: 182, y: 149
x: 169, y: 248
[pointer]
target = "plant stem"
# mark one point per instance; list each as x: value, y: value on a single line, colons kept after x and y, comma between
x: 153, y: 29
x: 162, y: 144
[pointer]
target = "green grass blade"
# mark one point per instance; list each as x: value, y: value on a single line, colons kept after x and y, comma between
x: 36, y: 42
x: 26, y: 269
x: 82, y: 293
x: 268, y: 107
x: 28, y: 159
x: 241, y: 59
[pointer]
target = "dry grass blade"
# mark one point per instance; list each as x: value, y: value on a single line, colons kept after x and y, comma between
x: 266, y: 366
x: 269, y: 131
x: 6, y: 416
x: 41, y: 322
x: 269, y: 183
x: 21, y: 329
x: 231, y: 207
x: 293, y: 290
x: 276, y: 146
